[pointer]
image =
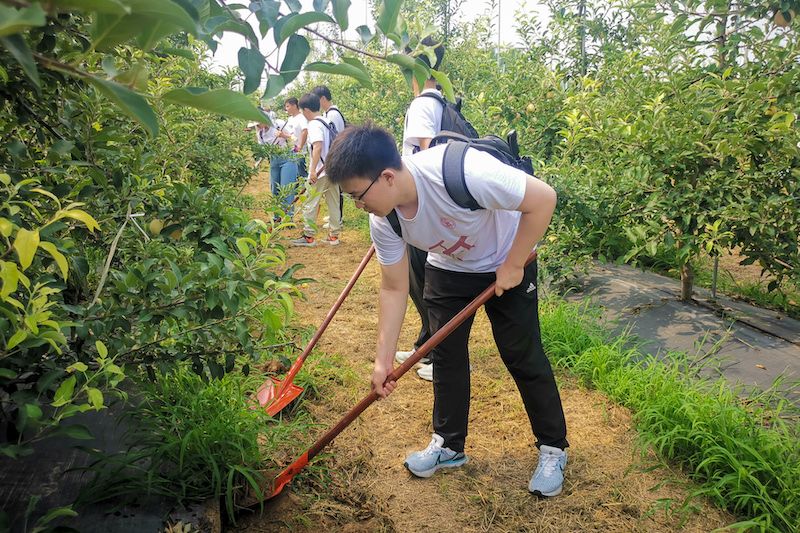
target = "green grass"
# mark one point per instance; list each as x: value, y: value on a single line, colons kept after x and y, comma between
x: 742, y: 448
x: 191, y: 439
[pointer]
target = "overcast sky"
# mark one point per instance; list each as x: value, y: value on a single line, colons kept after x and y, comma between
x: 226, y: 54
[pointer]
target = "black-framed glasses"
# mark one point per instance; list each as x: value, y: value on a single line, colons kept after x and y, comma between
x: 360, y: 196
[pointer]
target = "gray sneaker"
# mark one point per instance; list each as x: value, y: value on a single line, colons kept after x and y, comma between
x: 548, y: 480
x: 305, y: 240
x: 434, y: 457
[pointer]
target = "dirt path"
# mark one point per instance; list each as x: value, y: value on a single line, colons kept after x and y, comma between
x: 370, y: 491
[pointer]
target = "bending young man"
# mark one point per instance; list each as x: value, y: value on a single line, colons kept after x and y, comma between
x: 467, y: 251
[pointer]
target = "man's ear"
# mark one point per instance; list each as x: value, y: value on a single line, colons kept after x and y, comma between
x: 390, y: 174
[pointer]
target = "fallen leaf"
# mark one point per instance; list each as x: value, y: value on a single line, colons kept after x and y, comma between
x: 761, y: 367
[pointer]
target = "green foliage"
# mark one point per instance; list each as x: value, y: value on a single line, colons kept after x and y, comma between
x: 740, y: 446
x: 192, y: 438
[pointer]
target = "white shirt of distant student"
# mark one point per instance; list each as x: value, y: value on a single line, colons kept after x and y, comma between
x: 295, y: 126
x: 317, y: 131
x: 456, y: 238
x: 423, y: 120
x: 335, y: 116
x: 268, y: 134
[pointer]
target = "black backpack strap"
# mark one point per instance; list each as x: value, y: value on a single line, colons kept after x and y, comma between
x: 453, y: 175
x: 435, y: 97
x: 334, y: 108
x: 445, y: 136
x: 395, y: 222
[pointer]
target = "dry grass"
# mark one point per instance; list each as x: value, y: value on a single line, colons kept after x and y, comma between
x: 370, y: 490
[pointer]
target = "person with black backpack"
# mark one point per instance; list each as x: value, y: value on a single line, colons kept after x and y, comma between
x: 422, y: 122
x: 332, y: 113
x: 321, y: 133
x: 468, y: 249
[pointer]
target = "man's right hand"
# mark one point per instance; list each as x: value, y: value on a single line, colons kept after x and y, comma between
x: 379, y: 375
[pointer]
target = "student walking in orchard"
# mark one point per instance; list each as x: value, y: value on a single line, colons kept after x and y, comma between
x: 320, y: 136
x: 282, y: 168
x: 332, y: 113
x: 295, y: 131
x: 467, y: 251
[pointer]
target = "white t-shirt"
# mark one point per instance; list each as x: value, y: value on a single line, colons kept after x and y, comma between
x: 456, y: 238
x: 268, y: 134
x: 335, y: 116
x: 295, y: 126
x: 423, y: 119
x: 317, y: 131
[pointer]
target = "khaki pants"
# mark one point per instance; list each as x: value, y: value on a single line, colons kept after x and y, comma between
x: 322, y: 189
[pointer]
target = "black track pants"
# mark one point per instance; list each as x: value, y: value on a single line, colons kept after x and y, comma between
x: 416, y: 283
x: 515, y: 325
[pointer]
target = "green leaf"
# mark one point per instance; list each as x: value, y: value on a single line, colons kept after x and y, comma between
x: 6, y: 373
x: 295, y: 6
x: 64, y: 392
x: 151, y: 18
x: 134, y: 78
x: 447, y: 87
x: 321, y: 5
x: 421, y: 71
x: 403, y: 60
x: 251, y: 62
x: 80, y: 367
x: 387, y: 19
x: 342, y: 69
x: 220, y: 101
x: 26, y: 244
x: 95, y: 398
x: 13, y: 21
x: 76, y: 431
x: 133, y: 104
x: 275, y: 85
x: 242, y: 28
x: 56, y: 512
x: 89, y: 6
x: 34, y: 411
x: 82, y: 216
x: 297, y: 50
x: 292, y: 23
x: 9, y: 274
x: 365, y: 33
x: 19, y: 49
x: 59, y: 258
x: 340, y: 8
x: 101, y: 348
x: 48, y: 380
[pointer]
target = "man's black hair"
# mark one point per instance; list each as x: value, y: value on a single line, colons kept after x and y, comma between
x: 362, y: 151
x: 309, y: 101
x: 322, y: 90
x: 291, y: 101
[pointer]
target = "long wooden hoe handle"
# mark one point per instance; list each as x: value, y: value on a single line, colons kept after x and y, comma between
x: 287, y: 381
x: 301, y: 462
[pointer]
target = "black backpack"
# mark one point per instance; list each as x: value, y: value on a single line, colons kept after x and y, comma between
x: 453, y: 165
x: 452, y: 119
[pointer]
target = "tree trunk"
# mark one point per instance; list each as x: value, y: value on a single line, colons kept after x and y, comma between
x: 687, y: 281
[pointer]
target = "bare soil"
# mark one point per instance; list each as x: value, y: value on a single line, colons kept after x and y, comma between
x: 607, y: 486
